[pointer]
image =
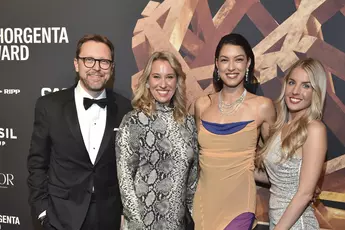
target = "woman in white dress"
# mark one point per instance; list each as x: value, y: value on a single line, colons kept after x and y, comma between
x: 294, y: 154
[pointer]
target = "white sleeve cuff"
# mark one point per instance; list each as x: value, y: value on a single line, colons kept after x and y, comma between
x: 43, y: 214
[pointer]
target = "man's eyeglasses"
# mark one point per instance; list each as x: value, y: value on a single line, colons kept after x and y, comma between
x: 90, y: 62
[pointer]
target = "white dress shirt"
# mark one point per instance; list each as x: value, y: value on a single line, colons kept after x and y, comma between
x: 92, y: 123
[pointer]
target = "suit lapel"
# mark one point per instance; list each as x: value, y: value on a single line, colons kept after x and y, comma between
x: 71, y: 116
x: 110, y: 124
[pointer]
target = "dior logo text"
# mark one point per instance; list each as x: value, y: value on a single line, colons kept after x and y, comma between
x: 7, y: 133
x: 6, y: 180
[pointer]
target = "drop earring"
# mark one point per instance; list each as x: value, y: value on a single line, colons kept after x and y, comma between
x: 247, y: 75
x: 218, y: 77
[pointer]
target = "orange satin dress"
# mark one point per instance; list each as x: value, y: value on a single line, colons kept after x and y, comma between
x: 226, y: 186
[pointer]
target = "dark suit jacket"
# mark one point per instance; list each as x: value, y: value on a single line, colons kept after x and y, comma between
x: 61, y: 175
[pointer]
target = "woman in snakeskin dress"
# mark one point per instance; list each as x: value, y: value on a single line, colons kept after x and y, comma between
x: 156, y: 150
x: 295, y: 153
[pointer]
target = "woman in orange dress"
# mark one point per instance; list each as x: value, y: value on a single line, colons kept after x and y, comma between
x: 229, y: 124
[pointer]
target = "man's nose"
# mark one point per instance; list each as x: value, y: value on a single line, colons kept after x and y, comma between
x: 97, y: 65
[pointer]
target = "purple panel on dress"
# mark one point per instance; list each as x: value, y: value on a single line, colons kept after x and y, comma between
x: 242, y: 222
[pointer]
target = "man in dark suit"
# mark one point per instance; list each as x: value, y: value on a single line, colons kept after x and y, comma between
x: 72, y: 166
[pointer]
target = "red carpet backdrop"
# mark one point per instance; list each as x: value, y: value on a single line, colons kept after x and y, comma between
x: 37, y: 47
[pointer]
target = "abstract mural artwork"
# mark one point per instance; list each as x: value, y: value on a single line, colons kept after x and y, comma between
x: 191, y: 31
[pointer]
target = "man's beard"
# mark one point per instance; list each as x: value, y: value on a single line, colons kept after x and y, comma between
x: 89, y: 86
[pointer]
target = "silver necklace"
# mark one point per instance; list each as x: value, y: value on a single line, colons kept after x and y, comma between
x: 230, y: 108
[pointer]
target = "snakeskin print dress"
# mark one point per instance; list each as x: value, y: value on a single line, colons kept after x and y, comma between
x: 284, y: 179
x: 157, y: 161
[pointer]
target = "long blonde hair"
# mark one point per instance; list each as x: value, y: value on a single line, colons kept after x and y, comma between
x: 297, y: 131
x: 143, y: 99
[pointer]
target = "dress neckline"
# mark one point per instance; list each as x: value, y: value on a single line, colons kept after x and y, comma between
x: 225, y: 124
x: 164, y: 107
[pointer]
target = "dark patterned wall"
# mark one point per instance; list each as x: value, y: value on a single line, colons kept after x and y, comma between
x: 281, y: 31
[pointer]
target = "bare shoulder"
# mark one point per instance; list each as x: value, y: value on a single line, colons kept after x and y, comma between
x: 263, y: 104
x: 316, y: 143
x: 316, y: 127
x: 203, y: 102
x: 265, y: 110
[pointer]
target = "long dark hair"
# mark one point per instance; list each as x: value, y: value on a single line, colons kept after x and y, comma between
x: 238, y: 40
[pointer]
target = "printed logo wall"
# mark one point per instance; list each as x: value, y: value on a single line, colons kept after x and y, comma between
x: 6, y: 134
x: 18, y: 47
x: 37, y: 47
x: 8, y: 220
x: 7, y: 181
x: 14, y: 41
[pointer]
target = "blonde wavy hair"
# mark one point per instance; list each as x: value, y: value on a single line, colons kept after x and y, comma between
x: 297, y: 131
x: 143, y: 99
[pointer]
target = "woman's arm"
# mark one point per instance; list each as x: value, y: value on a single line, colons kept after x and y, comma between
x: 199, y: 107
x: 193, y: 172
x: 313, y: 156
x: 260, y: 176
x: 127, y: 160
x: 266, y: 114
x: 197, y: 112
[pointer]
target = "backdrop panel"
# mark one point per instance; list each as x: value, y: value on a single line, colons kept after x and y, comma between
x: 37, y: 47
x: 281, y: 33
